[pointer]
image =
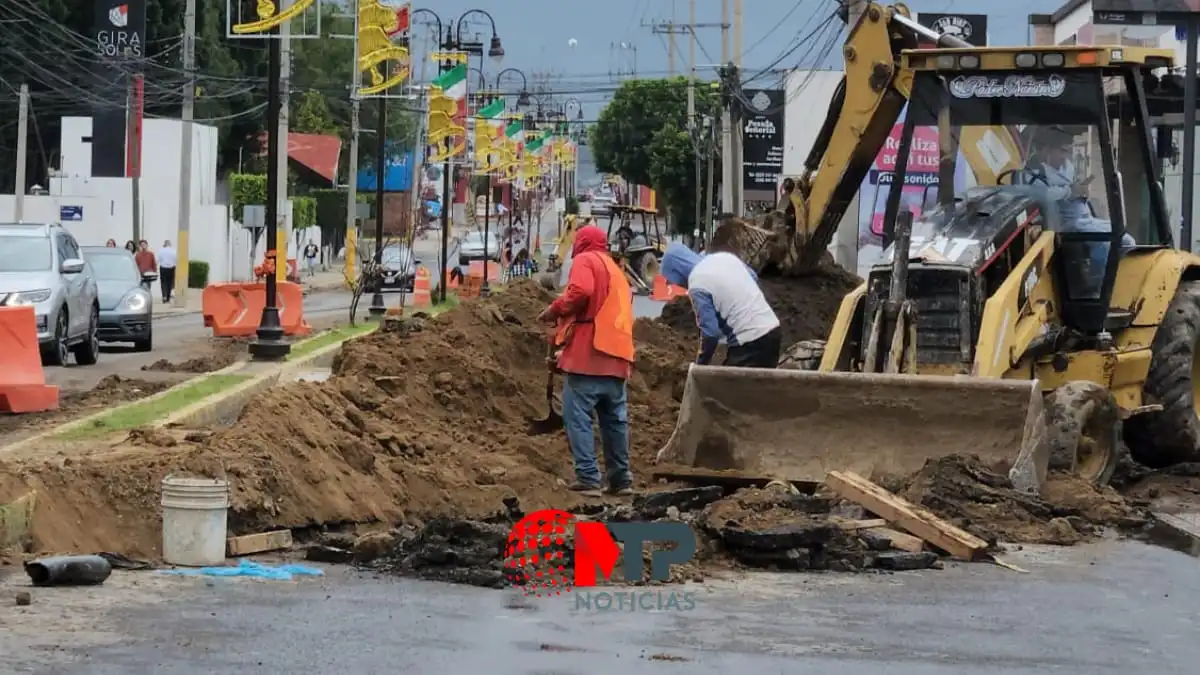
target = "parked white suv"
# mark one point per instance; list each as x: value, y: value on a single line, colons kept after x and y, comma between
x: 41, y: 266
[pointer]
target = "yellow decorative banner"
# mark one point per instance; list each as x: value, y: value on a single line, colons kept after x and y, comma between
x: 270, y: 17
x: 377, y: 25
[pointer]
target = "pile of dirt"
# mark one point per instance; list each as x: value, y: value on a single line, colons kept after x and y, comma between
x: 806, y: 306
x: 111, y: 391
x: 224, y: 353
x: 968, y: 494
x: 425, y: 420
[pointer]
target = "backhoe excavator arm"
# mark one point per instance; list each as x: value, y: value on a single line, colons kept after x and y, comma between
x: 872, y: 94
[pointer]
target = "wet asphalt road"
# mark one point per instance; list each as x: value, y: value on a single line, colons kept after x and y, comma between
x: 1098, y: 609
x: 178, y: 337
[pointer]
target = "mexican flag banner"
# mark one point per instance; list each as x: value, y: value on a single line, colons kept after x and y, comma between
x: 537, y: 143
x: 453, y: 84
x: 490, y: 114
x: 515, y: 131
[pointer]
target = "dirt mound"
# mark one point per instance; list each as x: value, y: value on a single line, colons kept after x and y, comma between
x: 110, y: 391
x: 224, y: 354
x: 965, y: 492
x: 806, y: 306
x: 424, y: 420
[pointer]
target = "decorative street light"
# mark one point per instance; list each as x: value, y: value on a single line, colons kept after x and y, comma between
x: 578, y: 107
x: 523, y: 97
x: 452, y: 40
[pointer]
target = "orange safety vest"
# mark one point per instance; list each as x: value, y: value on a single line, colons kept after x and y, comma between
x: 612, y: 327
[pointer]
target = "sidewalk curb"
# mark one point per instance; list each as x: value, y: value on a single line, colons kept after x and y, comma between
x: 210, y: 410
x: 90, y: 419
x: 226, y: 405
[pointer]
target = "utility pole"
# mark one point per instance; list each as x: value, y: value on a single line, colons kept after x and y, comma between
x: 691, y: 111
x: 351, y: 243
x: 134, y: 148
x: 670, y: 29
x: 185, y: 153
x: 726, y: 135
x: 22, y: 153
x: 281, y: 176
x: 736, y: 125
x: 845, y: 250
x: 711, y: 143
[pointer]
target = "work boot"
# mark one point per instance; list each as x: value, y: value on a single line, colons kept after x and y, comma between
x: 585, y: 489
x: 619, y: 490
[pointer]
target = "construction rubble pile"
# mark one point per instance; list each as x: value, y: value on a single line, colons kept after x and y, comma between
x: 421, y: 427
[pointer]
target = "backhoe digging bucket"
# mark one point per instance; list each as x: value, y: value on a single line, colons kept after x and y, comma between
x: 799, y: 425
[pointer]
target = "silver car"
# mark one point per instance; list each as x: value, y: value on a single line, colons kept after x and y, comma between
x: 41, y: 266
x: 126, y: 309
x: 471, y: 248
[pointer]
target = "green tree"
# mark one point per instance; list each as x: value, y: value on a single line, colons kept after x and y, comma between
x: 311, y: 114
x: 642, y: 135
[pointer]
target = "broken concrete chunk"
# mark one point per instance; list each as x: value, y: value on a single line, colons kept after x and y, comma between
x: 779, y: 538
x: 329, y: 554
x: 792, y: 559
x: 903, y: 560
x: 655, y: 504
x: 875, y: 541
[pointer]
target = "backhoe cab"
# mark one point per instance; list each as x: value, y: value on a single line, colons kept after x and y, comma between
x: 1031, y: 273
x: 1018, y: 322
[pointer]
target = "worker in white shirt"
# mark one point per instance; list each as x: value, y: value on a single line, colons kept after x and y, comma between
x: 729, y: 306
x: 167, y: 259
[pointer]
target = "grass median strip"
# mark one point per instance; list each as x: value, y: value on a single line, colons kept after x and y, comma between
x: 346, y: 332
x: 146, y: 412
x: 332, y: 336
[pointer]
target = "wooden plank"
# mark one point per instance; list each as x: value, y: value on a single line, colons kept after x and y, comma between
x: 16, y: 519
x: 900, y: 540
x: 1179, y: 532
x: 854, y: 525
x: 909, y: 517
x: 258, y: 543
x: 730, y: 481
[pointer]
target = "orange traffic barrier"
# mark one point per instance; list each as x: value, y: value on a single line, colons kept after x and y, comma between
x: 235, y: 309
x: 661, y: 290
x: 493, y: 270
x: 422, y: 295
x: 23, y: 387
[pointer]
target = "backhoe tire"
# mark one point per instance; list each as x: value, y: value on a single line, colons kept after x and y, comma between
x: 804, y: 355
x: 1083, y: 431
x: 1172, y: 435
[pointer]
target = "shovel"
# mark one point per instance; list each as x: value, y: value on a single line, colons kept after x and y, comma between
x: 553, y: 421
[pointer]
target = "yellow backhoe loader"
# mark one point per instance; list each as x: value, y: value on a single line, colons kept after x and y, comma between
x: 1014, y: 319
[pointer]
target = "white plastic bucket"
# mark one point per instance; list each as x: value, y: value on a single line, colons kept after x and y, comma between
x: 193, y: 520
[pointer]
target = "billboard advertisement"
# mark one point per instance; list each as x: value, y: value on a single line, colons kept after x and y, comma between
x: 762, y: 142
x: 397, y: 174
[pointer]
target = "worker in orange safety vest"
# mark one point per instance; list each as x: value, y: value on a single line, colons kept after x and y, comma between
x: 594, y: 349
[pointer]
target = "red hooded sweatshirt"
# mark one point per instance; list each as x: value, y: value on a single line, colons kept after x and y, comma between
x: 587, y: 288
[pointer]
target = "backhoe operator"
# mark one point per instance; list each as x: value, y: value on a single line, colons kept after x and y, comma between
x: 728, y: 304
x: 1057, y: 172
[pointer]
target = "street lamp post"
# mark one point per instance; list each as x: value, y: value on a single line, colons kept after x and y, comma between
x: 377, y: 308
x: 451, y: 36
x: 522, y: 101
x: 269, y: 344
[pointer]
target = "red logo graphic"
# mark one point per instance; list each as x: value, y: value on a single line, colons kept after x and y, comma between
x: 536, y: 555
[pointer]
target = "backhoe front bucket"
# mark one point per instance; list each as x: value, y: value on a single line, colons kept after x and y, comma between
x: 799, y: 425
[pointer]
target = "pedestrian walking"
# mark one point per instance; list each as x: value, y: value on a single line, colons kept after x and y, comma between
x: 166, y: 270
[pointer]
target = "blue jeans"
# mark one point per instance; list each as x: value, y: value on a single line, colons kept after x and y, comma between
x: 607, y: 396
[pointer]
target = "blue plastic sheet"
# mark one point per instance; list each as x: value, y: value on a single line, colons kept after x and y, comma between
x: 247, y: 568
